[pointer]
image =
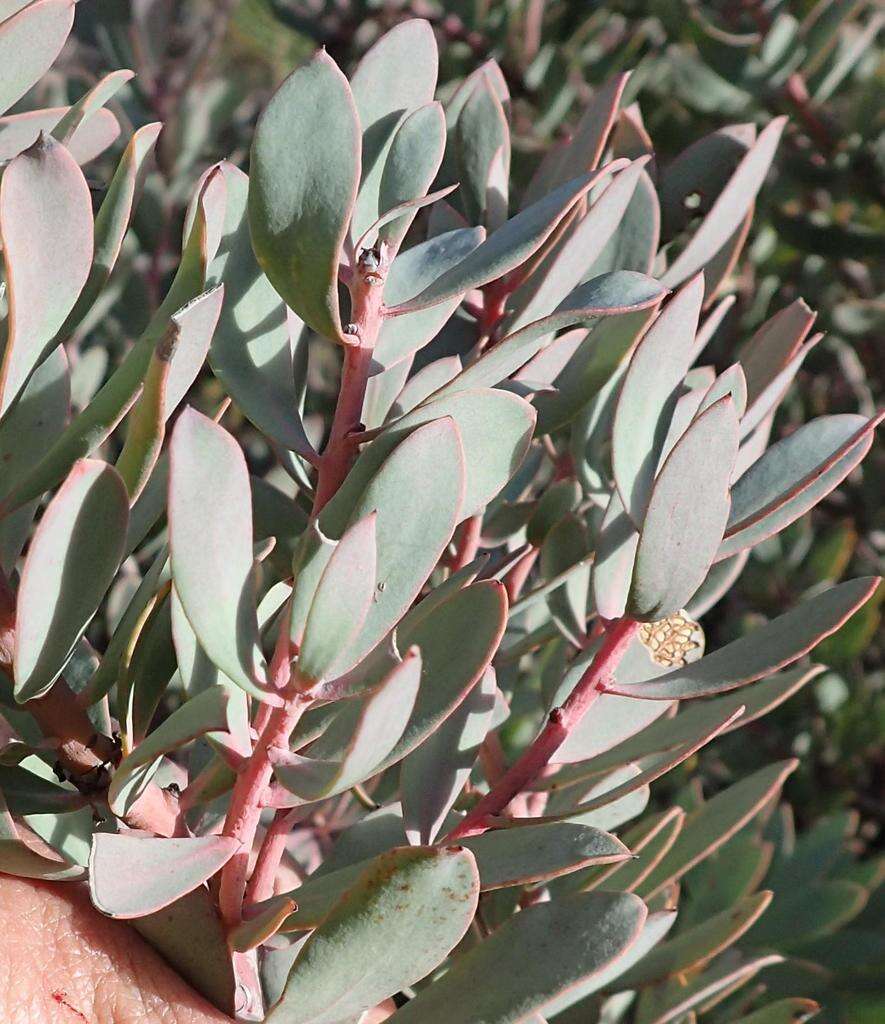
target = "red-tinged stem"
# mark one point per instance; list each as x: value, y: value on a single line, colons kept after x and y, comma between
x: 560, y: 723
x: 261, y: 884
x: 468, y: 542
x: 86, y: 755
x: 244, y: 812
x: 367, y: 295
x: 515, y: 580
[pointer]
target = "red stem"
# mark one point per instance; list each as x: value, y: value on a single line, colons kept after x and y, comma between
x: 366, y: 296
x: 560, y: 723
x: 514, y: 581
x: 468, y: 542
x: 275, y: 727
x: 244, y: 812
x: 261, y: 884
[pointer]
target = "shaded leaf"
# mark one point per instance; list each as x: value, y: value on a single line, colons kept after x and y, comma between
x: 686, y: 515
x: 30, y: 41
x: 210, y: 535
x: 434, y: 774
x: 715, y: 822
x: 508, y: 248
x: 46, y: 227
x: 648, y: 397
x: 72, y: 560
x: 609, y: 295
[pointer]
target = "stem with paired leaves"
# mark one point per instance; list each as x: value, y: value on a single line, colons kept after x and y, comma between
x: 560, y: 723
x: 275, y: 726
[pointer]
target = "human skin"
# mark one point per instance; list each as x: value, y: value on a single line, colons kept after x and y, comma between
x: 61, y: 962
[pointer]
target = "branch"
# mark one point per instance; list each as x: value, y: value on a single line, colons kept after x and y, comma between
x: 560, y: 724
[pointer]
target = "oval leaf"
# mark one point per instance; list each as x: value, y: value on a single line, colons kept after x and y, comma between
x: 46, y: 229
x: 133, y: 876
x: 305, y: 167
x: 210, y: 538
x: 395, y: 907
x: 771, y: 647
x: 73, y: 558
x: 686, y: 516
x: 542, y: 952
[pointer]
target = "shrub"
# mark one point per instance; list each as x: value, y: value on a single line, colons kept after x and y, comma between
x: 502, y: 539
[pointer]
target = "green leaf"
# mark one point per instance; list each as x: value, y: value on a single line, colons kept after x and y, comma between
x: 18, y: 131
x: 495, y: 428
x: 210, y: 538
x: 256, y: 346
x: 535, y: 853
x: 359, y: 739
x: 262, y: 926
x: 649, y: 842
x: 89, y: 104
x: 305, y: 167
x: 613, y: 801
x: 190, y: 936
x: 34, y: 422
x: 71, y: 562
x: 174, y: 366
x: 340, y: 603
x: 686, y: 515
x: 567, y: 265
x: 508, y: 248
x: 417, y: 492
x: 566, y: 545
x: 46, y: 225
x: 395, y: 907
x: 457, y: 636
x: 616, y: 547
x: 410, y: 273
x: 634, y: 244
x: 615, y: 718
x: 30, y: 41
x: 773, y: 346
x: 784, y: 1011
x: 113, y: 218
x: 771, y: 647
x: 423, y: 384
x: 482, y: 136
x: 206, y: 712
x: 395, y: 77
x: 585, y: 148
x: 433, y: 775
x: 611, y: 295
x: 415, y: 154
x: 715, y: 822
x: 793, y: 475
x: 694, y: 719
x: 730, y: 208
x: 93, y: 425
x: 654, y: 930
x: 815, y: 911
x: 543, y: 952
x: 133, y: 876
x: 701, y: 169
x: 694, y: 947
x: 648, y: 397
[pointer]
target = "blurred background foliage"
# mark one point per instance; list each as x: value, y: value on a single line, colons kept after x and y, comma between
x: 206, y: 67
